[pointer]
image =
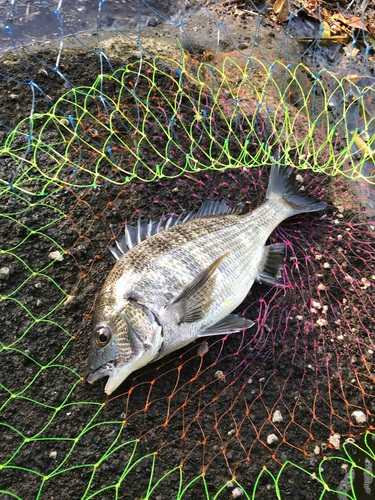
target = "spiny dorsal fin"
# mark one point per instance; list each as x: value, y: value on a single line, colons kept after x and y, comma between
x: 196, y: 298
x: 136, y: 234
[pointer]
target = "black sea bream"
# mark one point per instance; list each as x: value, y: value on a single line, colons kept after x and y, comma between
x: 170, y: 287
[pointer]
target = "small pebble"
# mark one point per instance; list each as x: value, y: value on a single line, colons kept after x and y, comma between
x: 359, y: 416
x: 4, y: 273
x: 317, y: 450
x: 321, y: 286
x: 318, y: 256
x: 230, y: 433
x: 202, y: 348
x: 277, y: 417
x: 345, y: 467
x: 316, y: 304
x: 272, y: 438
x: 300, y: 318
x: 237, y: 492
x: 326, y: 265
x: 322, y: 322
x: 64, y: 121
x: 334, y: 440
x: 218, y: 374
x: 53, y: 454
x: 56, y: 256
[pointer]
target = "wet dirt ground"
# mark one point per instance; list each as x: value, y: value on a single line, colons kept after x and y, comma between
x: 177, y: 407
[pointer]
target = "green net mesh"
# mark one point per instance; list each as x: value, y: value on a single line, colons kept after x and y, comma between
x: 92, y: 137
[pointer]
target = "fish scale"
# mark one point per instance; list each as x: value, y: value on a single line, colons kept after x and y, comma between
x: 184, y: 280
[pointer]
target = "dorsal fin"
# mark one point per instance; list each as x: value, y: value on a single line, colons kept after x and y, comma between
x: 210, y: 208
x: 143, y: 230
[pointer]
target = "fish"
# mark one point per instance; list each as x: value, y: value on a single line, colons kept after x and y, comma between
x: 179, y: 279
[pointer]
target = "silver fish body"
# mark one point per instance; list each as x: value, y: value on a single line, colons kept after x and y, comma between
x: 184, y: 282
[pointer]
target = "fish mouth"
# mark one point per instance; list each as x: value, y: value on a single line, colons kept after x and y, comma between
x: 103, y: 371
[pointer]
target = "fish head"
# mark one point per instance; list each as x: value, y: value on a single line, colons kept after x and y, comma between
x: 124, y: 337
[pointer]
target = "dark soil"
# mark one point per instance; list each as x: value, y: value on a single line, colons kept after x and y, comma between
x: 63, y: 439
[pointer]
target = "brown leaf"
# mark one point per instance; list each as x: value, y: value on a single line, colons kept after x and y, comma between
x: 277, y: 6
x: 281, y: 8
x: 349, y: 20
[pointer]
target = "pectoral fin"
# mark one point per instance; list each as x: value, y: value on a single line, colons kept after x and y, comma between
x: 231, y: 323
x: 196, y: 298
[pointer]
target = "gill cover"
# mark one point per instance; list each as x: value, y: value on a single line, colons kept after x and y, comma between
x: 135, y: 340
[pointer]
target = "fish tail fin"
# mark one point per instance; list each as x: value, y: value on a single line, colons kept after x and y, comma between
x: 283, y: 187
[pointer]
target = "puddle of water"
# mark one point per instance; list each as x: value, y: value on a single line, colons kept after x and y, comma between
x: 360, y: 479
x: 37, y: 22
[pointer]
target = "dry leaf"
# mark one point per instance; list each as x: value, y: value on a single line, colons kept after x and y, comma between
x: 281, y: 8
x: 361, y: 145
x: 325, y: 30
x: 277, y: 6
x: 353, y: 21
x: 350, y: 51
x: 352, y: 78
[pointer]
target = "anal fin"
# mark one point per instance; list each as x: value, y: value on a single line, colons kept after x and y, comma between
x: 231, y: 323
x: 272, y: 264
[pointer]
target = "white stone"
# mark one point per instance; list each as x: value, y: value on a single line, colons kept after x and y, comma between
x: 321, y: 286
x: 230, y: 433
x: 53, y: 455
x: 202, y: 348
x: 218, y: 374
x: 64, y: 121
x: 237, y: 492
x: 345, y: 467
x: 322, y: 322
x: 300, y: 318
x: 318, y: 256
x: 316, y: 304
x: 334, y: 440
x: 317, y: 450
x: 4, y: 273
x: 277, y: 417
x: 327, y: 265
x: 272, y: 438
x: 360, y: 417
x: 56, y: 256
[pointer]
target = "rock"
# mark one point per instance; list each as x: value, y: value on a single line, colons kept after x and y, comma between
x: 277, y: 417
x: 64, y: 121
x: 4, y: 273
x: 317, y: 450
x: 56, y: 256
x: 359, y: 416
x: 230, y: 433
x: 237, y: 492
x: 53, y: 455
x: 272, y: 438
x: 334, y: 440
x: 218, y: 374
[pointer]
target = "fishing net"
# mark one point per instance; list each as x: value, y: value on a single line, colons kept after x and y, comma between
x: 96, y: 134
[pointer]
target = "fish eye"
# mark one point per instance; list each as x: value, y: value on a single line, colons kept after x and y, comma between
x: 103, y: 336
